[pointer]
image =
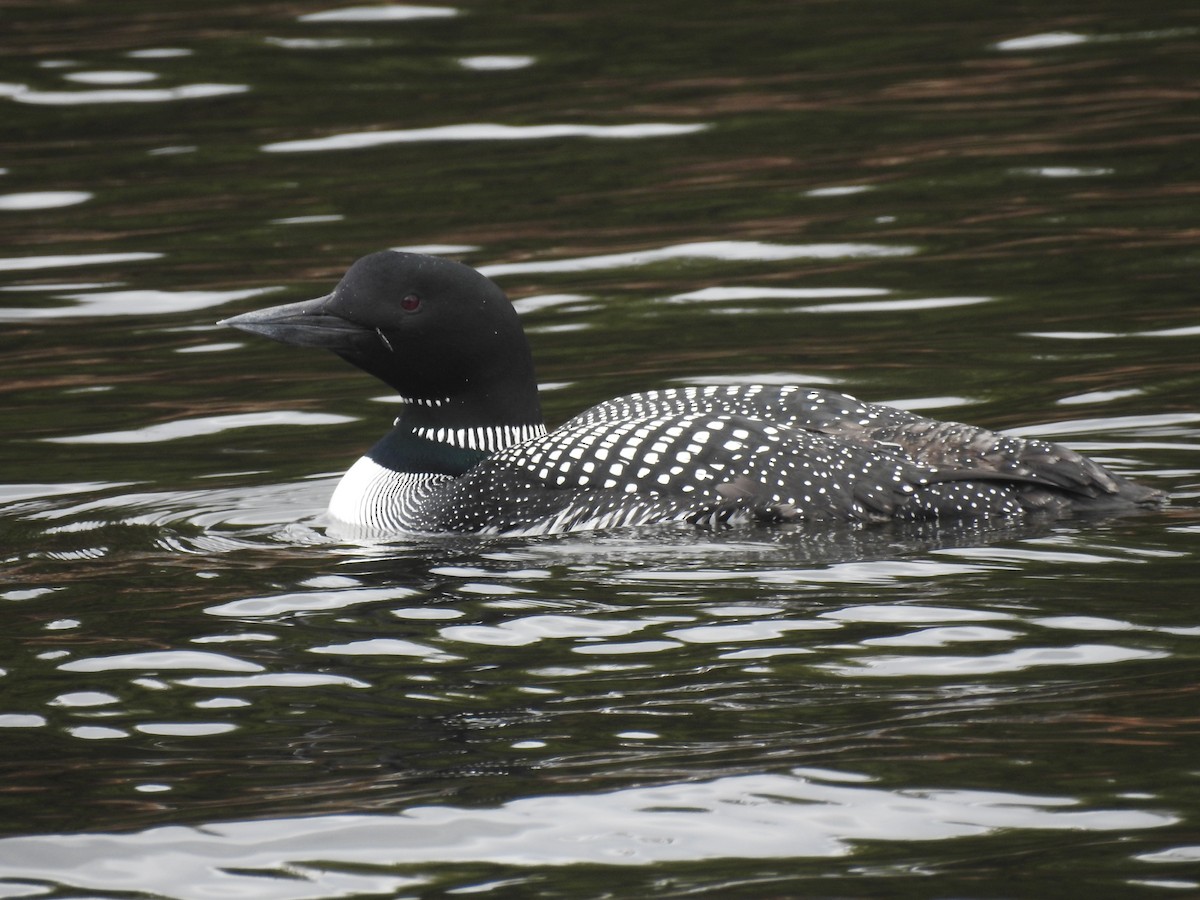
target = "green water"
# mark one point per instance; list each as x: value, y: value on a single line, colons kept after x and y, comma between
x: 984, y: 212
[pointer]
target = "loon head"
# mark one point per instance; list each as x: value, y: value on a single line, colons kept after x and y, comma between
x: 442, y: 335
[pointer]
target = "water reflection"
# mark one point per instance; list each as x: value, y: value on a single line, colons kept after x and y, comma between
x: 43, y: 199
x: 1044, y: 41
x: 787, y: 816
x: 495, y: 63
x: 757, y: 251
x: 24, y: 94
x: 187, y: 428
x: 884, y: 666
x: 729, y: 293
x: 22, y: 263
x: 383, y: 12
x: 159, y: 53
x: 115, y: 303
x: 480, y: 132
x: 122, y: 76
x: 1051, y: 40
x: 162, y: 660
x: 207, y: 689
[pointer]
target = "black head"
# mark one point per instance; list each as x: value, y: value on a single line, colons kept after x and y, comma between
x: 435, y: 330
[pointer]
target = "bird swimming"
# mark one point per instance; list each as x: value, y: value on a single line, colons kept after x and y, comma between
x: 470, y: 452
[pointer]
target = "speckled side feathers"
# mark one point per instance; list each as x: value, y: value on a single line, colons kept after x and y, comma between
x: 717, y: 456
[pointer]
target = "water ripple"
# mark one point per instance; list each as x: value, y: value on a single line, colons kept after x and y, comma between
x: 111, y: 76
x: 1012, y: 661
x: 24, y: 94
x: 117, y: 303
x: 187, y: 428
x: 19, y: 263
x: 757, y: 251
x: 729, y: 293
x: 309, y: 601
x: 788, y: 816
x: 158, y: 660
x: 385, y: 12
x: 43, y: 199
x: 480, y: 132
x: 495, y: 63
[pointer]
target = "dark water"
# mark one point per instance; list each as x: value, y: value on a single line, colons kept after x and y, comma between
x: 983, y: 211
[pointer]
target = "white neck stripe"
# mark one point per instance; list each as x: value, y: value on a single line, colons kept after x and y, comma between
x: 421, y: 401
x: 490, y: 438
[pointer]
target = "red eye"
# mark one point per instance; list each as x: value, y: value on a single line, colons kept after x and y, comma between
x: 410, y: 303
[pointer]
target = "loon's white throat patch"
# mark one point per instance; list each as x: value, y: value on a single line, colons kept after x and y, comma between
x: 378, y: 497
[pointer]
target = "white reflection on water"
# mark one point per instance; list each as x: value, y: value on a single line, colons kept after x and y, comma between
x: 1072, y: 335
x: 729, y: 294
x: 384, y: 647
x: 111, y: 76
x: 43, y: 199
x: 495, y: 63
x: 309, y: 220
x: 1181, y: 331
x: 185, y: 729
x: 735, y: 293
x: 309, y: 601
x: 1183, y: 854
x: 1085, y: 623
x: 1043, y: 41
x: 911, y: 613
x: 317, y: 43
x: 186, y: 428
x: 536, y: 302
x: 23, y: 94
x: 1099, y: 396
x: 1049, y: 40
x: 844, y: 190
x: 762, y: 630
x: 211, y: 348
x: 12, y: 493
x: 438, y: 249
x: 484, y: 131
x: 386, y: 12
x: 1012, y: 661
x: 531, y: 629
x: 22, y: 263
x: 21, y: 720
x: 156, y: 660
x: 1108, y: 424
x: 159, y: 53
x: 881, y: 306
x: 796, y: 815
x: 84, y: 699
x: 120, y: 303
x: 737, y: 251
x: 874, y: 572
x: 269, y: 679
x: 283, y: 508
x: 940, y: 637
x: 1064, y: 171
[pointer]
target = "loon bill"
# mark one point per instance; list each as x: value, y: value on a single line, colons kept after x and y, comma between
x: 471, y: 453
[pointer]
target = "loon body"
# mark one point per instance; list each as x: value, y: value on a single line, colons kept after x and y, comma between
x: 470, y: 453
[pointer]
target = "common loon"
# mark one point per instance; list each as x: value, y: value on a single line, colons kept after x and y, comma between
x: 470, y: 452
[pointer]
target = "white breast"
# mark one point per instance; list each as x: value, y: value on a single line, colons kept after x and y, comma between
x: 374, y: 496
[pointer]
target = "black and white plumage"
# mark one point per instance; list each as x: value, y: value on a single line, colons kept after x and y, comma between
x: 470, y: 453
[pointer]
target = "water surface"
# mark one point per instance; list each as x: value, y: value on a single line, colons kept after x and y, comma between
x: 984, y: 214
